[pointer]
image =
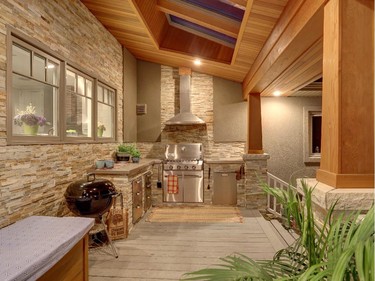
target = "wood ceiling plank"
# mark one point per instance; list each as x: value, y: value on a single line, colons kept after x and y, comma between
x: 200, y: 16
x: 292, y: 24
x: 182, y: 41
x: 289, y: 11
x: 307, y: 68
x: 154, y: 21
x: 242, y: 30
x: 241, y: 3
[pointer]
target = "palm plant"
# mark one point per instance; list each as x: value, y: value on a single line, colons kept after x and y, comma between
x: 342, y: 250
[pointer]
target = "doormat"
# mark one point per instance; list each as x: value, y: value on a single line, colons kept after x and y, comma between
x: 196, y: 214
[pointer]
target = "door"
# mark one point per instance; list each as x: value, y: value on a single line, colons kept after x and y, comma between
x: 193, y: 186
x: 173, y: 197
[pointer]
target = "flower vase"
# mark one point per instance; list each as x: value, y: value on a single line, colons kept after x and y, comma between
x: 30, y: 130
x: 100, y: 132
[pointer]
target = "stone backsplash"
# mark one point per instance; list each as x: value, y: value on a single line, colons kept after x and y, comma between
x: 33, y: 178
x: 202, y: 106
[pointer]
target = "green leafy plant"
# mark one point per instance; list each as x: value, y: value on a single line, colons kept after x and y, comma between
x: 130, y: 149
x: 342, y: 250
x: 136, y: 153
x: 125, y: 148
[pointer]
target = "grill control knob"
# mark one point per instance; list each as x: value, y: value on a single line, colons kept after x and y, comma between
x: 170, y: 167
x: 178, y: 167
x: 186, y: 167
x: 193, y: 167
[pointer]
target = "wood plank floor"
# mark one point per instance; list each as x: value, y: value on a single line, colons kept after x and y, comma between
x: 165, y: 251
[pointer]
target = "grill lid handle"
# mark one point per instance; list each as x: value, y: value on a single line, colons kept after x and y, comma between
x: 90, y: 175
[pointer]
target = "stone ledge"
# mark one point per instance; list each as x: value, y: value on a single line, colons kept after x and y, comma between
x: 348, y: 199
x: 252, y: 157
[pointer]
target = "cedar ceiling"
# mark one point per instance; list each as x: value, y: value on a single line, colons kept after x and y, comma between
x: 227, y: 35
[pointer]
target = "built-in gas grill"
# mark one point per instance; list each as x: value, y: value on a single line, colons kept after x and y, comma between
x: 183, y: 173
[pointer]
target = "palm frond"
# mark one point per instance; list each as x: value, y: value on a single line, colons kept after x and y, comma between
x: 342, y: 250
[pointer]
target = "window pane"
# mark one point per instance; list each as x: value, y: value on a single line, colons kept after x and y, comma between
x: 70, y: 81
x: 105, y: 96
x: 88, y: 88
x: 39, y: 68
x: 100, y: 93
x: 78, y: 116
x: 52, y: 73
x: 81, y: 85
x: 111, y: 98
x: 316, y: 133
x: 34, y: 106
x: 21, y: 60
x: 105, y: 121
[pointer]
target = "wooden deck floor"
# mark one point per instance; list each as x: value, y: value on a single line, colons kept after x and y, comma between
x: 165, y: 251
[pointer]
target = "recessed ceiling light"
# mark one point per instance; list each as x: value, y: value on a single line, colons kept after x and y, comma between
x: 277, y: 93
x: 197, y: 62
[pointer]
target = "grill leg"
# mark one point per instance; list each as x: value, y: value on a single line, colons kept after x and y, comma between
x: 114, y: 249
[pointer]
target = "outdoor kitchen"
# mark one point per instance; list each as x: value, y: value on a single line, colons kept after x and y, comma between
x: 138, y: 138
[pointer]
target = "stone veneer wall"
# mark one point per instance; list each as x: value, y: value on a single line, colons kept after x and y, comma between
x: 33, y: 178
x: 202, y: 106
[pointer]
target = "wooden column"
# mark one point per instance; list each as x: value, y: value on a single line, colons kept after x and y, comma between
x: 254, y: 132
x: 347, y: 155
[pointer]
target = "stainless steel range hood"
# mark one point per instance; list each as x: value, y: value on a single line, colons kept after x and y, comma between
x: 185, y: 117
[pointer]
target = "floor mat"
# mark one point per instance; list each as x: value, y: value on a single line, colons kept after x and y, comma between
x: 207, y: 214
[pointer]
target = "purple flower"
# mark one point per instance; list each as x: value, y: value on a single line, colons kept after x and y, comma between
x: 29, y: 117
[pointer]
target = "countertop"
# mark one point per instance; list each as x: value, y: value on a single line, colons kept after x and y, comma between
x: 224, y: 161
x: 126, y: 168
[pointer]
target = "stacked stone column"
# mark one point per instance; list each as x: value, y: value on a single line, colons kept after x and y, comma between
x: 255, y: 171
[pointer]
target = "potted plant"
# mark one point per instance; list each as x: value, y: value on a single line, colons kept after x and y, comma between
x: 123, y: 152
x: 136, y: 154
x: 100, y: 129
x: 29, y: 121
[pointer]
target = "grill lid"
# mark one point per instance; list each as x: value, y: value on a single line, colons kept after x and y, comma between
x: 90, y: 197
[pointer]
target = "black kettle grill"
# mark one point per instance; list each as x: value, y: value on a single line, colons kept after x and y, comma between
x: 92, y: 198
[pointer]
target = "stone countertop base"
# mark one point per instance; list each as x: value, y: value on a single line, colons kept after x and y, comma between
x: 224, y: 161
x: 126, y: 168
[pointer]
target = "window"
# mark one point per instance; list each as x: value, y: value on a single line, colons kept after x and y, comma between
x: 78, y: 104
x: 35, y: 92
x: 312, y: 131
x: 48, y: 107
x: 106, y: 112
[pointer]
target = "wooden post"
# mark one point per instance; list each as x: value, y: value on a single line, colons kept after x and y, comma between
x: 347, y: 155
x: 254, y: 133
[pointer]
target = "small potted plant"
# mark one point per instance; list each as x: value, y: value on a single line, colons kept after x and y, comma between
x: 29, y: 121
x: 136, y: 154
x: 100, y: 129
x: 124, y: 152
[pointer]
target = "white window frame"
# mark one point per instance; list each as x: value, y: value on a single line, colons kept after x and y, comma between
x: 309, y: 156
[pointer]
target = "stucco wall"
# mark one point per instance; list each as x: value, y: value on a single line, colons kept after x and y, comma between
x: 282, y: 125
x: 130, y: 97
x: 33, y: 178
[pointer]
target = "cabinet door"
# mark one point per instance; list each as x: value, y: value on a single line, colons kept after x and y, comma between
x: 193, y: 187
x: 137, y: 200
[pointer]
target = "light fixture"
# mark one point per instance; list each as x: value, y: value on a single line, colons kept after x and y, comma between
x: 277, y: 93
x: 50, y: 65
x: 197, y: 62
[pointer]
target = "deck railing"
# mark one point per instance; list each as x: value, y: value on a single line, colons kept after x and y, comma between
x: 273, y: 206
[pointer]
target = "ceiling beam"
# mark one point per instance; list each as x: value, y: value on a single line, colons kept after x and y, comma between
x: 298, y: 28
x: 200, y: 16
